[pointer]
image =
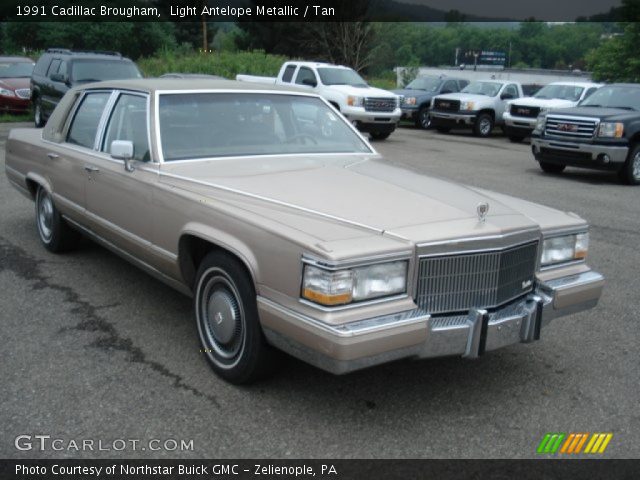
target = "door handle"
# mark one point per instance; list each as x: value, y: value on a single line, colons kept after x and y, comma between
x: 53, y: 156
x: 91, y: 168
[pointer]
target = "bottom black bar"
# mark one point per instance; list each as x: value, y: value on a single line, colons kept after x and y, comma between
x: 319, y: 469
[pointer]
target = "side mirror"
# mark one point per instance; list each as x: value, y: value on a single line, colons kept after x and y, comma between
x: 123, y: 150
x: 507, y: 96
x: 309, y: 82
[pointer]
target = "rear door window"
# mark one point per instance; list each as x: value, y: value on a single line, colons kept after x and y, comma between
x: 84, y: 125
x: 288, y: 73
x: 53, y: 68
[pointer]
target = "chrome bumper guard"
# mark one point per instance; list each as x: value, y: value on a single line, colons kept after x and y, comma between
x: 469, y: 336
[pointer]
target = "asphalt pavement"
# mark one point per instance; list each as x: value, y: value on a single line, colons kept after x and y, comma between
x: 95, y: 349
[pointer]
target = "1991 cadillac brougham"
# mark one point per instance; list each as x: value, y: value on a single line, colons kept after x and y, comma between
x: 290, y: 231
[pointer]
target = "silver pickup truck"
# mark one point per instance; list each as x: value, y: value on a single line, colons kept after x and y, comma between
x: 479, y: 106
x: 290, y: 232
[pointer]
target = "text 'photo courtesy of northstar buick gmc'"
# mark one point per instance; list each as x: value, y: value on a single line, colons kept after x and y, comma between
x: 291, y: 232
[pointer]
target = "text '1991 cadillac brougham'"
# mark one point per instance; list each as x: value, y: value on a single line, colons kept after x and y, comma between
x: 290, y: 231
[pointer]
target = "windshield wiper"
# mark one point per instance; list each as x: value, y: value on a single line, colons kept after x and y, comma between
x: 89, y: 80
x: 623, y: 108
x: 594, y: 106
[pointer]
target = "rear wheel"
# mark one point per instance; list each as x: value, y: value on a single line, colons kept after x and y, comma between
x: 380, y: 135
x: 38, y: 118
x: 227, y: 320
x: 552, y: 167
x: 56, y: 235
x: 484, y: 125
x: 423, y: 120
x: 630, y: 172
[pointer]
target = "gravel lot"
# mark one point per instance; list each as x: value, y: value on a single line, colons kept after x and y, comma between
x: 94, y: 348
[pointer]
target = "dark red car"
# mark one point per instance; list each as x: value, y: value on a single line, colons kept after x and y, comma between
x: 15, y: 92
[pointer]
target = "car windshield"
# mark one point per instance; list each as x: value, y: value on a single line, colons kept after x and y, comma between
x: 619, y: 96
x: 16, y: 69
x: 205, y: 125
x: 562, y: 92
x: 341, y: 76
x: 429, y: 84
x: 490, y: 89
x: 98, y: 70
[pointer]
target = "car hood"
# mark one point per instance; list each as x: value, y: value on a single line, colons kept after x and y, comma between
x: 598, y: 112
x: 362, y: 91
x: 14, y: 83
x: 465, y: 97
x: 548, y: 103
x: 414, y: 93
x: 357, y: 192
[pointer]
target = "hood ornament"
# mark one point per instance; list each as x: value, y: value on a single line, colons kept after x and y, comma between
x: 482, y: 209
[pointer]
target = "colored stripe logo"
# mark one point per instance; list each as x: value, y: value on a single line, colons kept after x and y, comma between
x: 573, y: 443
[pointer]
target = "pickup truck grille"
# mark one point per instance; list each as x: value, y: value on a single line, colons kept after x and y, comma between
x: 571, y: 127
x: 446, y: 105
x: 23, y: 93
x: 522, y: 111
x: 456, y: 283
x: 380, y: 104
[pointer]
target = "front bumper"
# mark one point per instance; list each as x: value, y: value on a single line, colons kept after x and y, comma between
x: 409, y: 113
x: 578, y: 154
x: 523, y: 124
x: 446, y: 119
x: 358, y: 115
x: 416, y: 334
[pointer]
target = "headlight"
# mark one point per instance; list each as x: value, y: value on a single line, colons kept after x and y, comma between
x: 340, y: 287
x: 7, y: 93
x: 355, y: 101
x: 467, y: 105
x: 610, y: 129
x: 564, y: 249
x: 540, y: 123
x: 409, y: 100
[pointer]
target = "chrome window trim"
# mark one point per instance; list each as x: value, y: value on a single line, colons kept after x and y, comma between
x: 158, y: 93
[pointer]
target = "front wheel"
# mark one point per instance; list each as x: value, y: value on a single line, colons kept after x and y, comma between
x: 228, y: 323
x: 56, y: 235
x: 423, y: 120
x: 380, y: 135
x: 484, y: 125
x: 552, y: 167
x: 630, y: 172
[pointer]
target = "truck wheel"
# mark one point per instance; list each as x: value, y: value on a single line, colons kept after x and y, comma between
x: 38, y: 118
x: 423, y: 120
x: 56, y: 235
x: 227, y: 320
x: 552, y: 167
x: 630, y: 173
x: 443, y: 129
x: 483, y: 125
x: 379, y: 135
x: 516, y: 138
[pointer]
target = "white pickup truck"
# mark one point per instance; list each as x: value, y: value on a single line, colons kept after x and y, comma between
x: 521, y: 115
x: 369, y: 109
x: 479, y: 106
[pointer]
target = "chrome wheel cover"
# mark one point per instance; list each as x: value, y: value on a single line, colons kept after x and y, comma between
x: 425, y: 120
x: 635, y: 167
x: 38, y: 114
x: 221, y: 318
x: 485, y: 126
x: 45, y: 216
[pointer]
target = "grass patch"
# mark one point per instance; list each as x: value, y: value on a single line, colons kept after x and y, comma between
x: 15, y: 118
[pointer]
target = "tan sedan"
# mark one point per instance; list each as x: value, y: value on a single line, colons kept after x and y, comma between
x: 290, y: 231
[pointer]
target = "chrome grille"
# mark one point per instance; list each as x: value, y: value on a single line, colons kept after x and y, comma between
x: 455, y: 283
x: 446, y: 105
x: 570, y: 127
x: 380, y: 104
x: 23, y: 93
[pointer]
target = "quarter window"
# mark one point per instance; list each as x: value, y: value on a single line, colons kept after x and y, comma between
x: 129, y: 122
x: 53, y: 68
x: 85, y: 122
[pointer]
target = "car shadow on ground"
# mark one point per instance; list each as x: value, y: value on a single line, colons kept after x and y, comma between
x: 592, y: 177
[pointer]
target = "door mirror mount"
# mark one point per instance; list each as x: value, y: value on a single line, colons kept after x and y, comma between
x: 309, y: 82
x: 58, y: 77
x: 123, y: 150
x: 507, y: 96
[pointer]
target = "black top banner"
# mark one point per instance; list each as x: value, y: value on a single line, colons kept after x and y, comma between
x: 311, y: 10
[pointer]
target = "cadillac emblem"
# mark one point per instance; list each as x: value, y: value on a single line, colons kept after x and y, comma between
x: 483, y: 209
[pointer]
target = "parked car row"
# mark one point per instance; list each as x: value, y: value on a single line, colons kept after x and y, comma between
x: 15, y: 94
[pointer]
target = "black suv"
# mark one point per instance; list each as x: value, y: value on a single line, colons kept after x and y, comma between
x: 602, y: 132
x: 60, y: 69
